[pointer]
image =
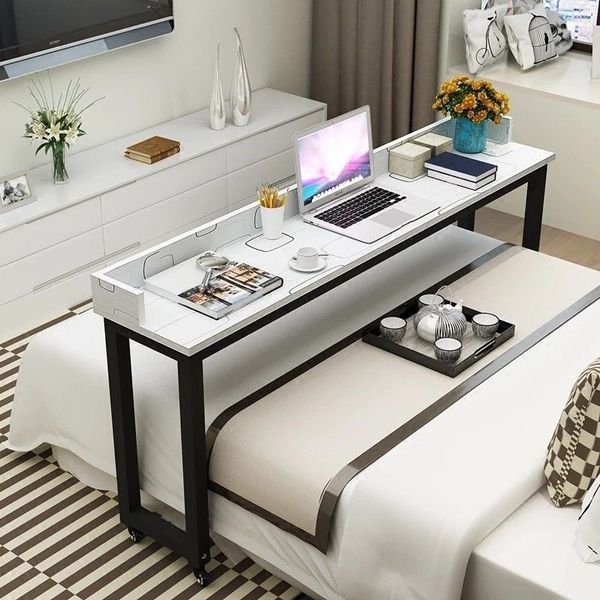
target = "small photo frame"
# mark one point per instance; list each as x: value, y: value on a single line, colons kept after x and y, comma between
x: 15, y: 191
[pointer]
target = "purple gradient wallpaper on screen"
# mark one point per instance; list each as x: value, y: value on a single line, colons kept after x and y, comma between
x: 334, y: 158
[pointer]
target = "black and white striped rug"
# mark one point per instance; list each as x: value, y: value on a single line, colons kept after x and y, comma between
x: 60, y: 539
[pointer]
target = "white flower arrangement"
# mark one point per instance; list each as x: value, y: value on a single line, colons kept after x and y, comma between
x: 56, y: 124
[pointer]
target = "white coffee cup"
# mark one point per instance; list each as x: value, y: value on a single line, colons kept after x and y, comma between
x: 307, y: 258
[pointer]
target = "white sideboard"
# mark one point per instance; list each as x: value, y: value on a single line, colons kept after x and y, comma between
x: 113, y: 206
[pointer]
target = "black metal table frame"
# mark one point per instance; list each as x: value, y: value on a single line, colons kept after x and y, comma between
x: 193, y: 542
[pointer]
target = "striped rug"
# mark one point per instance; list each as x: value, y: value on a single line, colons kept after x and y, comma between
x: 61, y: 539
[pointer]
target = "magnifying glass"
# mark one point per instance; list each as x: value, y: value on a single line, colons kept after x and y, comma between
x: 209, y: 262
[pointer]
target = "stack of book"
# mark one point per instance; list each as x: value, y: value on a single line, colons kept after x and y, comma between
x: 153, y: 149
x: 460, y: 170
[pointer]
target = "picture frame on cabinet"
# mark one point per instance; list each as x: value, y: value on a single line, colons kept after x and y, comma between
x: 15, y: 192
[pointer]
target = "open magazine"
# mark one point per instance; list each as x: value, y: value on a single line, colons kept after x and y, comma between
x: 227, y: 291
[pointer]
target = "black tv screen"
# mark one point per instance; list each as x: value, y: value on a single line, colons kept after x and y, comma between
x: 33, y: 26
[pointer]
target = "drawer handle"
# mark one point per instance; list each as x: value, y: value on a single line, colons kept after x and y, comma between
x: 54, y: 212
x: 89, y: 266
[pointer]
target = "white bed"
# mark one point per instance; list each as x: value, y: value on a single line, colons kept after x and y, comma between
x: 531, y: 555
x: 372, y: 554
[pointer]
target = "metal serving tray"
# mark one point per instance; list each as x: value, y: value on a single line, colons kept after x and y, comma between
x: 413, y: 348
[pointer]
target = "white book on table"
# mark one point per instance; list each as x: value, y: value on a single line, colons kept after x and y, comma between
x: 471, y: 185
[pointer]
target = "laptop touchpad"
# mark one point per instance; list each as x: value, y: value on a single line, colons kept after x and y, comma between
x: 392, y: 218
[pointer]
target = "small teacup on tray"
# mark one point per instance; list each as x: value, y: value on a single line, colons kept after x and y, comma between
x: 448, y: 349
x: 485, y: 325
x: 430, y: 300
x: 393, y: 329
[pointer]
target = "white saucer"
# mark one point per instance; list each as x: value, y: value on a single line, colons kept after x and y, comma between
x: 322, y: 264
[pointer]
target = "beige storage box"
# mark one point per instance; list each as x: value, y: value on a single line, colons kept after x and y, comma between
x: 438, y: 144
x: 408, y: 160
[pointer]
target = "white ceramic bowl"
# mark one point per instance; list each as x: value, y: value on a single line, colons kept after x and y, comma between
x: 393, y: 329
x: 448, y: 349
x: 485, y: 325
x: 430, y: 300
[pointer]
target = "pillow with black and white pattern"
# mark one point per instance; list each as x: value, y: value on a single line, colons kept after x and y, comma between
x: 573, y: 457
x: 484, y: 41
x: 513, y: 7
x: 530, y: 37
x: 561, y: 36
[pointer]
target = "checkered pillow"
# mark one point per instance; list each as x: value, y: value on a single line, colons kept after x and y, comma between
x: 573, y: 459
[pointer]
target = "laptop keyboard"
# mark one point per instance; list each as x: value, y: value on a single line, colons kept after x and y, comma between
x: 359, y: 207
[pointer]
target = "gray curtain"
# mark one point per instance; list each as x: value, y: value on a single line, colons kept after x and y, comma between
x: 378, y: 52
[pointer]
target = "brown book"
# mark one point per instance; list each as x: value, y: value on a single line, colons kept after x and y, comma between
x: 150, y: 161
x: 153, y: 147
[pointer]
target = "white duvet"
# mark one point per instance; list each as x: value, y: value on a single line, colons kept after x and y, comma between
x: 404, y: 528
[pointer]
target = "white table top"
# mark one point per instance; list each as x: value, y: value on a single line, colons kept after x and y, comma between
x: 189, y: 332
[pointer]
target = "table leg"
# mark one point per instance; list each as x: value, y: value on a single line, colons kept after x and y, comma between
x: 467, y: 221
x: 534, y: 209
x: 192, y: 543
x: 123, y: 417
x: 195, y: 472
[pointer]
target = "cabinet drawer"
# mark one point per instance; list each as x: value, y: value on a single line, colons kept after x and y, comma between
x: 63, y: 260
x: 166, y: 216
x: 268, y: 143
x: 27, y: 239
x: 243, y: 183
x: 163, y: 185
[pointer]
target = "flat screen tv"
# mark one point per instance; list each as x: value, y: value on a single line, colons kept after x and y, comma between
x: 38, y: 34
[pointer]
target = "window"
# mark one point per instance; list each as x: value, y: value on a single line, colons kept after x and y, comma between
x: 581, y: 16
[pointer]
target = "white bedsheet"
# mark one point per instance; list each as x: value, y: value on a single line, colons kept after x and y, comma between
x: 532, y: 555
x: 404, y: 528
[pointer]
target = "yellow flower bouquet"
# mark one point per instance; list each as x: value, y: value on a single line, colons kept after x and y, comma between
x: 473, y: 99
x: 473, y: 102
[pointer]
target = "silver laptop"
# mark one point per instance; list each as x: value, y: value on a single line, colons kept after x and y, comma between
x: 335, y: 175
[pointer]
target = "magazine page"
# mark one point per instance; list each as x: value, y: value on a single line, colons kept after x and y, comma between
x: 226, y: 291
x: 217, y: 296
x: 249, y: 277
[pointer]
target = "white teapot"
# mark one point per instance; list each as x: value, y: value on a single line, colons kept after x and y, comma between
x: 448, y: 320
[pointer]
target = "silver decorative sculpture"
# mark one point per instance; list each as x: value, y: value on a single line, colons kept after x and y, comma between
x: 240, y: 98
x: 217, y: 109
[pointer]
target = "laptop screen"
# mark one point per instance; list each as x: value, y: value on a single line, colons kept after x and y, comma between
x: 334, y: 158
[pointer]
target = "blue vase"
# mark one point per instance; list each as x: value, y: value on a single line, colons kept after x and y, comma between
x: 470, y: 137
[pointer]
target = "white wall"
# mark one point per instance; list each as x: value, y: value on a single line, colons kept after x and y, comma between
x: 165, y: 78
x: 563, y: 125
x: 571, y: 130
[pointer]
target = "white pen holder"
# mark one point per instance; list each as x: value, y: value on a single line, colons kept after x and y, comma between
x: 272, y: 222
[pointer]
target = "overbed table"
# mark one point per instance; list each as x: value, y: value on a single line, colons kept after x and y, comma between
x: 131, y: 313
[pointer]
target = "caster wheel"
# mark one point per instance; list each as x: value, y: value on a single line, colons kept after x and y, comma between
x: 135, y: 535
x: 202, y: 577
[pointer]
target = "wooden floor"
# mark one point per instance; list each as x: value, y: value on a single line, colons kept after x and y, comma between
x: 556, y: 242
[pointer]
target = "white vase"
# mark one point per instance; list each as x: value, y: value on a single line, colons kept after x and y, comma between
x: 217, y: 110
x: 240, y: 98
x: 272, y: 222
